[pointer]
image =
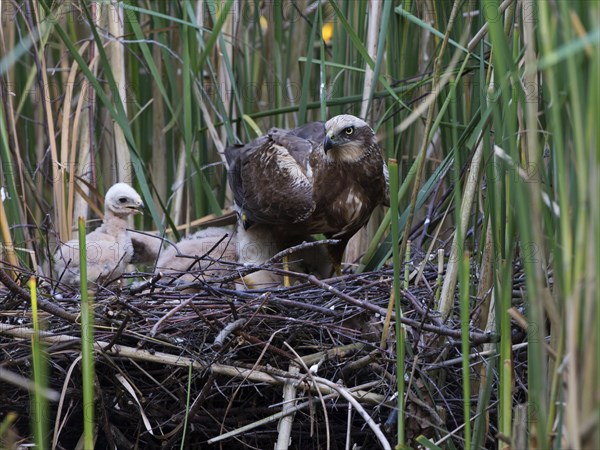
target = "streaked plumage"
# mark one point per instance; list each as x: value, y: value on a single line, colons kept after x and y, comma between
x: 108, y: 247
x: 319, y: 178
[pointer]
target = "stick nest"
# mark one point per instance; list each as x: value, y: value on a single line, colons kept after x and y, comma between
x: 203, y: 360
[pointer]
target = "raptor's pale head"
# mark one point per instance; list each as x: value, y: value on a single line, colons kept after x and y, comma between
x: 122, y: 200
x: 347, y: 138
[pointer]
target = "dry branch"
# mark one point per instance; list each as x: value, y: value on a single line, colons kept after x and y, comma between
x: 100, y: 346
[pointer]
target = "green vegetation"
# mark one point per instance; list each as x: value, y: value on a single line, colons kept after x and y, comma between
x: 491, y: 114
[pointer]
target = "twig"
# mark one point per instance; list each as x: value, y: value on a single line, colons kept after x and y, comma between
x: 310, y: 374
x: 198, y: 403
x: 278, y: 300
x: 44, y: 305
x: 248, y: 375
x: 246, y: 270
x: 267, y: 345
x: 169, y: 314
x: 279, y: 415
x: 354, y: 301
x: 118, y: 334
x: 474, y: 338
x: 455, y: 361
x: 349, y: 427
x: 354, y: 366
x: 230, y: 328
x: 417, y: 304
x: 147, y: 284
x: 284, y: 427
x: 368, y: 419
x: 336, y: 352
x: 117, y: 350
x: 290, y: 251
x: 14, y: 288
x: 276, y: 377
x: 197, y: 258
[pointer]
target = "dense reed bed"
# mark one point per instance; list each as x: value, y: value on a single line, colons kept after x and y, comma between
x: 467, y: 315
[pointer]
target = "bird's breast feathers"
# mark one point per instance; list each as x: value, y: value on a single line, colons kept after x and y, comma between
x: 319, y: 178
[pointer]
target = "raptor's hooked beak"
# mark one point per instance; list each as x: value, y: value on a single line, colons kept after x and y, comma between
x: 138, y: 208
x: 327, y: 144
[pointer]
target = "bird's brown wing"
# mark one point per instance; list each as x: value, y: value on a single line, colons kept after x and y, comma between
x: 271, y: 177
x: 311, y: 133
x: 146, y: 247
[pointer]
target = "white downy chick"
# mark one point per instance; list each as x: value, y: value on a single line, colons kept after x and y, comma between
x: 109, y: 247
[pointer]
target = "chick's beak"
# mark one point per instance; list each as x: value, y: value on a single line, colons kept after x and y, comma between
x: 327, y: 144
x: 139, y: 206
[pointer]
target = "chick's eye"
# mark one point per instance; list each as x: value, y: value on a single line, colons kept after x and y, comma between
x: 349, y: 130
x: 123, y: 200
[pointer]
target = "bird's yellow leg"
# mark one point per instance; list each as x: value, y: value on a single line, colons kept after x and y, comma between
x: 286, y: 277
x: 338, y: 270
x: 245, y: 282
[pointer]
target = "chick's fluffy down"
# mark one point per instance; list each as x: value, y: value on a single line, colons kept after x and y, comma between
x: 200, y: 256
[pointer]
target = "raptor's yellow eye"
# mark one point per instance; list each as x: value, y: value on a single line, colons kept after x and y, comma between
x: 349, y: 130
